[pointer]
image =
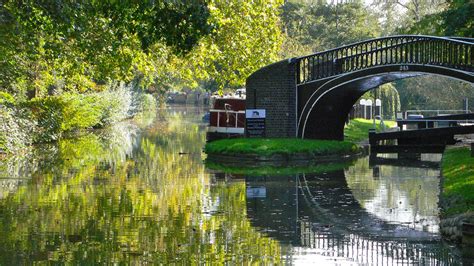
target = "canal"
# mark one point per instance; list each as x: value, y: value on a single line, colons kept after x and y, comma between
x: 140, y: 192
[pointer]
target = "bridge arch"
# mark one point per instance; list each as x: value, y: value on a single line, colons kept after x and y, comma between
x: 310, y: 96
x: 324, y: 112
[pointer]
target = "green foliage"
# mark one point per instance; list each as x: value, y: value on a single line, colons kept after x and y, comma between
x: 76, y: 46
x: 266, y: 147
x: 390, y: 98
x: 321, y: 26
x: 398, y: 16
x: 48, y: 112
x: 147, y: 103
x: 15, y: 130
x: 71, y: 112
x: 6, y: 99
x: 455, y: 20
x: 458, y: 19
x: 433, y: 93
x: 53, y: 47
x: 86, y: 111
x: 358, y: 129
x: 458, y: 181
x: 246, y: 37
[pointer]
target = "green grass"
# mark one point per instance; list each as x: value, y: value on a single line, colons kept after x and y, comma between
x: 458, y: 183
x: 276, y: 171
x: 358, y: 129
x: 266, y: 147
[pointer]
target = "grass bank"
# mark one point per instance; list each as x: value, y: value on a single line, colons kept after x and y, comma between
x: 358, y: 129
x: 267, y: 147
x: 458, y: 182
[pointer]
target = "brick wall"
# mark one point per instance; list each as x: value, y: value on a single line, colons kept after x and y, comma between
x: 274, y: 88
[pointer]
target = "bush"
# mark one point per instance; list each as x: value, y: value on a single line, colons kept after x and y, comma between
x: 145, y: 103
x: 6, y: 99
x: 81, y: 111
x: 49, y: 117
x: 116, y: 104
x: 149, y: 103
x: 48, y: 113
x: 15, y: 130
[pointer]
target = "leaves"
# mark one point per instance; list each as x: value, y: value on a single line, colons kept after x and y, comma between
x: 78, y: 44
x: 318, y: 27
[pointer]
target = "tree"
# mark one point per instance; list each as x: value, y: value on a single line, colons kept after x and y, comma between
x: 397, y: 15
x: 322, y: 26
x: 433, y: 93
x: 92, y: 42
x: 55, y: 46
x: 458, y: 20
x: 246, y: 37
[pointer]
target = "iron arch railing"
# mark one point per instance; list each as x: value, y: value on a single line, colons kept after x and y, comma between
x: 404, y: 50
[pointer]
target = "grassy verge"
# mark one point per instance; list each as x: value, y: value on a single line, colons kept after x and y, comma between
x: 266, y: 147
x: 458, y: 183
x: 276, y: 171
x: 358, y: 129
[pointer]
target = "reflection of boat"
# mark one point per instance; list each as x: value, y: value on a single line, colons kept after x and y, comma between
x: 227, y: 117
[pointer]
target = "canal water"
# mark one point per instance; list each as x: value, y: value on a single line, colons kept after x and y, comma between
x: 139, y: 192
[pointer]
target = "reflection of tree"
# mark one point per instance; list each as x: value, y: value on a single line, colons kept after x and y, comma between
x: 414, y: 189
x: 130, y: 200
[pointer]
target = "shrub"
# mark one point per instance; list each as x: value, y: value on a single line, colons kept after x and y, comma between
x: 116, y: 104
x: 148, y: 103
x: 81, y: 111
x: 6, y: 99
x: 48, y: 114
x: 47, y: 118
x: 15, y: 130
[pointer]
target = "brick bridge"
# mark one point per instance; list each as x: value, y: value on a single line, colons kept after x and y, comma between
x: 311, y: 96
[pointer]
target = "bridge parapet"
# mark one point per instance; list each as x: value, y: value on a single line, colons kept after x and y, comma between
x: 457, y: 53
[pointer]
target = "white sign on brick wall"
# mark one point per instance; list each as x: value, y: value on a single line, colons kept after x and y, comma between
x: 255, y: 113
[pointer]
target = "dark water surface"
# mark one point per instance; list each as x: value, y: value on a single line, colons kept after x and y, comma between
x: 139, y: 192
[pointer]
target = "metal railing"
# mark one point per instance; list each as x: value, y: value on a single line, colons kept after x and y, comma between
x: 229, y: 115
x: 435, y: 112
x: 455, y: 53
x: 432, y: 123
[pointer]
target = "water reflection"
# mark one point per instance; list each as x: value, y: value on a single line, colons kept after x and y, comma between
x: 399, y: 194
x: 127, y: 196
x: 139, y: 193
x: 319, y: 217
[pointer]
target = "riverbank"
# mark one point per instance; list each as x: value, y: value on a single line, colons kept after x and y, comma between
x: 293, y: 150
x: 50, y: 118
x: 357, y: 129
x: 243, y: 150
x: 457, y: 197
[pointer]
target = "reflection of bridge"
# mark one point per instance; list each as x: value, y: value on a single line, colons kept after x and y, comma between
x: 408, y: 162
x: 311, y: 96
x: 372, y: 252
x: 298, y: 211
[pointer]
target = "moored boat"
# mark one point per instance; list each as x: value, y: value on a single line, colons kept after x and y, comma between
x: 227, y: 117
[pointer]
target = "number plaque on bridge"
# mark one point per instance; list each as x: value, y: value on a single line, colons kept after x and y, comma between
x: 255, y: 123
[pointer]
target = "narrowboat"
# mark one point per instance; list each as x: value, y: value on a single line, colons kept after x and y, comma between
x: 227, y: 117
